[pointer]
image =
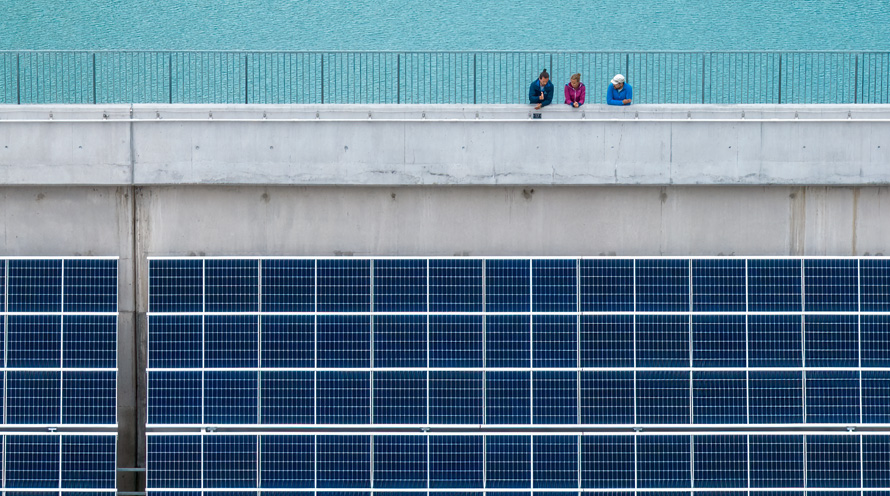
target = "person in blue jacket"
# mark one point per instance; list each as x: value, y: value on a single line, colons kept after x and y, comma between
x: 540, y: 93
x: 619, y: 92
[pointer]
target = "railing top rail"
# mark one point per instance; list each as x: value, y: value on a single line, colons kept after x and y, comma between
x: 535, y: 52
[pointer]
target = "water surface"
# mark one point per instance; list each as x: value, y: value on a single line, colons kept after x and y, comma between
x: 445, y: 25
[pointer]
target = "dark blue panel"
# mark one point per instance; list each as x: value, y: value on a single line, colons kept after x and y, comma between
x: 33, y: 397
x: 400, y: 340
x: 35, y: 285
x: 874, y: 285
x: 775, y: 397
x: 876, y: 461
x: 173, y: 462
x: 876, y: 397
x: 174, y: 398
x: 718, y: 340
x: 90, y: 285
x: 288, y: 340
x: 343, y: 398
x: 607, y: 462
x: 555, y: 396
x: 719, y: 398
x: 555, y: 462
x: 662, y: 285
x: 776, y: 461
x: 282, y: 493
x: 508, y: 462
x: 555, y: 285
x: 508, y: 398
x: 455, y: 285
x: 607, y: 397
x: 34, y: 341
x: 607, y: 285
x: 776, y: 493
x: 400, y: 397
x: 400, y: 285
x: 456, y: 462
x: 343, y: 341
x: 231, y: 285
x: 607, y: 341
x: 32, y: 462
x: 343, y: 461
x: 508, y: 341
x: 456, y: 340
x: 774, y: 285
x: 721, y: 461
x: 175, y: 285
x: 288, y: 285
x: 230, y: 397
x: 775, y: 341
x: 287, y: 397
x: 455, y: 398
x: 89, y: 397
x: 230, y: 462
x: 833, y: 461
x: 342, y: 493
x: 507, y: 285
x: 231, y: 341
x: 88, y: 462
x: 400, y: 462
x: 875, y: 335
x: 831, y: 285
x: 662, y: 341
x: 663, y: 398
x: 718, y: 285
x: 831, y: 340
x: 90, y: 341
x: 174, y: 341
x: 287, y: 462
x: 555, y: 341
x: 832, y: 397
x: 663, y: 462
x: 344, y: 285
x: 2, y: 286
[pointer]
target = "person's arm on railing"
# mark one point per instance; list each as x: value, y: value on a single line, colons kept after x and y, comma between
x: 568, y: 96
x: 548, y: 95
x: 583, y: 94
x: 630, y: 93
x: 534, y: 96
x: 609, y: 98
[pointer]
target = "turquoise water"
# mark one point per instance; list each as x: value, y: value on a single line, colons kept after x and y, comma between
x: 445, y: 25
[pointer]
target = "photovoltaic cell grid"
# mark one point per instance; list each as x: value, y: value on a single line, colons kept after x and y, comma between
x: 524, y: 342
x: 59, y: 324
x: 59, y: 464
x: 521, y: 462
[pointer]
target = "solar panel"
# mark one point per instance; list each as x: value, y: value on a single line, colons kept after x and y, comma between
x: 59, y: 325
x: 72, y: 463
x: 531, y: 374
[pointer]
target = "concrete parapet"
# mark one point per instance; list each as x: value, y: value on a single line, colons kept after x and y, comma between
x: 393, y: 145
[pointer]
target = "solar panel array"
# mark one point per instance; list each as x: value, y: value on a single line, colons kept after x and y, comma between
x: 531, y: 366
x: 59, y: 323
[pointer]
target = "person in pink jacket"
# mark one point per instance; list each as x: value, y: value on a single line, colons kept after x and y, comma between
x: 575, y: 91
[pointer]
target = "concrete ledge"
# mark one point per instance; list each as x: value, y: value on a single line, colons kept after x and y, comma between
x: 445, y: 145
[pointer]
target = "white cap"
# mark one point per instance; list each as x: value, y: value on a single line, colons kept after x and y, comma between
x: 617, y: 79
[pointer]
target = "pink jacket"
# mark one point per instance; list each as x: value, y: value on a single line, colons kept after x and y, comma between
x: 573, y: 95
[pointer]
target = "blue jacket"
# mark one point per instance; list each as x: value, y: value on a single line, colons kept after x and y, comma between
x: 534, y: 93
x: 614, y: 97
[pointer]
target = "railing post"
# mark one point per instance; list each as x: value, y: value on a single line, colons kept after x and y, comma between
x: 322, y: 79
x: 626, y: 65
x: 474, y: 79
x: 856, y: 81
x: 245, y: 79
x: 780, y: 78
x: 702, y: 79
x: 170, y: 75
x: 95, y: 96
x: 399, y: 78
x: 18, y: 78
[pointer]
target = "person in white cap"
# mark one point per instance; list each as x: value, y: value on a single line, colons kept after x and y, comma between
x: 619, y: 92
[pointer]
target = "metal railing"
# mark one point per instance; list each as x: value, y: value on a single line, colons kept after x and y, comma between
x: 484, y: 77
